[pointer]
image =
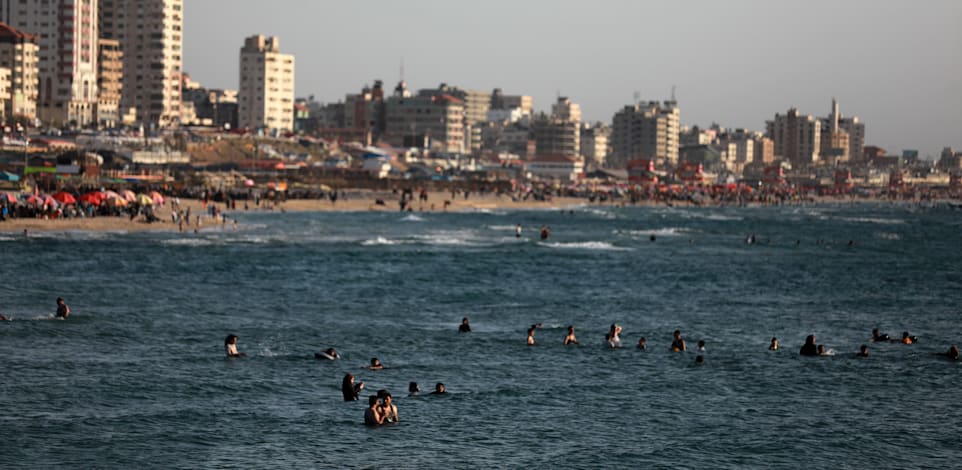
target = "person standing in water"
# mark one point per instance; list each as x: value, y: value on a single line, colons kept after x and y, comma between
x: 351, y: 390
x: 809, y: 348
x: 464, y: 327
x: 678, y: 343
x: 774, y: 345
x: 517, y: 231
x: 570, y: 337
x: 545, y: 232
x: 372, y: 414
x: 230, y: 346
x: 63, y: 311
x: 531, y: 336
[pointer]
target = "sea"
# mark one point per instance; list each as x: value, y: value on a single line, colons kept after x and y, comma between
x: 137, y: 376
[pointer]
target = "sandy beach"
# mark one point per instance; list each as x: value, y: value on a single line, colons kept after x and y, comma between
x: 354, y: 202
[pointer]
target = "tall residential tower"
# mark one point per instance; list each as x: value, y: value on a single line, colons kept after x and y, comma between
x: 266, y: 93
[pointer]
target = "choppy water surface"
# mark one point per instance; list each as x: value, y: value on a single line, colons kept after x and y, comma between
x: 137, y: 375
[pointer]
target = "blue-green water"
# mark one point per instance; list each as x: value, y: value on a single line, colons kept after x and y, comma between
x: 137, y: 375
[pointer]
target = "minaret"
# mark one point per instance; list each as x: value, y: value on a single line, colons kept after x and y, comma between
x: 835, y: 116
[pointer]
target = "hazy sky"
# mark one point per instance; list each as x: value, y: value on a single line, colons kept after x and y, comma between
x: 895, y: 64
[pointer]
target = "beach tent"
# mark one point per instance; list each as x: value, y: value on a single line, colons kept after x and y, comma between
x: 157, y: 198
x: 65, y: 198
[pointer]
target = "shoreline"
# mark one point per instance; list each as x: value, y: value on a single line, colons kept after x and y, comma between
x: 365, y: 202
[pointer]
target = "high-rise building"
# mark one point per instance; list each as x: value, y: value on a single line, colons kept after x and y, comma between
x: 645, y: 131
x: 68, y: 55
x: 501, y: 101
x: 151, y: 40
x: 266, y: 94
x: 476, y: 105
x: 110, y: 76
x: 566, y: 110
x: 843, y: 138
x: 560, y: 133
x: 797, y: 138
x: 19, y: 53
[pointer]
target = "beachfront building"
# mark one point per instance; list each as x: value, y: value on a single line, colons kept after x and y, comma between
x: 4, y: 91
x: 67, y: 64
x: 19, y: 54
x: 645, y: 130
x: 476, y: 105
x: 594, y: 143
x: 433, y: 122
x: 797, y: 138
x: 556, y: 167
x: 266, y: 94
x: 150, y: 33
x: 559, y: 133
x: 843, y: 138
x: 110, y: 74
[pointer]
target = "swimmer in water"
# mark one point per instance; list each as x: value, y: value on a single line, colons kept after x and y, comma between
x: 570, y: 337
x: 413, y: 388
x: 809, y: 348
x: 677, y: 343
x: 906, y: 339
x: 375, y: 364
x: 952, y: 354
x: 230, y: 346
x: 388, y: 409
x: 643, y: 344
x: 701, y: 345
x: 862, y: 351
x: 349, y: 389
x: 63, y: 311
x: 329, y: 354
x: 879, y: 337
x: 774, y: 345
x: 439, y: 389
x: 824, y: 352
x: 530, y: 339
x: 464, y: 327
x: 372, y: 414
x: 545, y: 232
x: 612, y: 339
x: 699, y: 359
x: 517, y: 231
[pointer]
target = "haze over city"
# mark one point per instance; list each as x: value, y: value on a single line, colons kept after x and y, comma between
x: 894, y: 64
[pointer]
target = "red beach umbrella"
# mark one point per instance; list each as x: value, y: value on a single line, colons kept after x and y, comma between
x: 10, y: 198
x: 65, y: 198
x: 95, y: 197
x: 156, y: 197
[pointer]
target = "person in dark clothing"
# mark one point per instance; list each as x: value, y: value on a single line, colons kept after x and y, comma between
x: 809, y: 348
x: 465, y: 327
x: 350, y: 389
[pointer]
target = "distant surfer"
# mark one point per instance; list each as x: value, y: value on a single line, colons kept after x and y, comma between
x: 570, y: 337
x: 63, y: 311
x: 230, y: 346
x: 329, y: 354
x: 465, y: 327
x: 809, y: 348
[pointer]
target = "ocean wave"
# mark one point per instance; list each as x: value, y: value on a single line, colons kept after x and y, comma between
x: 187, y: 242
x: 874, y: 220
x: 381, y: 241
x: 888, y: 236
x: 500, y: 227
x: 411, y: 218
x: 586, y: 246
x: 664, y: 232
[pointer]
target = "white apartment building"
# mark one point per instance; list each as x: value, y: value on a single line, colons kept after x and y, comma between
x: 19, y: 53
x: 797, y: 138
x: 68, y: 33
x: 151, y: 41
x: 438, y: 119
x: 266, y: 93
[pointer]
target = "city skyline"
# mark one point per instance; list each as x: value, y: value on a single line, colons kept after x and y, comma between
x: 892, y: 64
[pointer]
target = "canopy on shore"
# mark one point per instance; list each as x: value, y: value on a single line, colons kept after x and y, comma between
x: 9, y: 197
x: 65, y: 198
x: 94, y: 197
x: 156, y: 197
x: 128, y: 195
x: 116, y: 202
x: 144, y: 200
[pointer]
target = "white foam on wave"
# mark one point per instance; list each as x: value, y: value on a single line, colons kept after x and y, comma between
x: 601, y: 213
x: 381, y: 241
x: 500, y: 227
x: 411, y: 218
x: 187, y: 242
x: 713, y: 216
x: 874, y: 220
x: 663, y: 232
x: 888, y: 236
x: 594, y: 245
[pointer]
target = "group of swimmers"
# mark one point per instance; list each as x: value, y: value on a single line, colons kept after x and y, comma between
x: 811, y: 349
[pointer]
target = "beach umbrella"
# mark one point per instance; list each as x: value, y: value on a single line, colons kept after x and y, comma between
x: 65, y: 198
x: 94, y: 197
x: 117, y: 202
x: 144, y: 200
x: 35, y: 200
x: 157, y: 198
x: 111, y: 194
x: 10, y: 198
x: 128, y: 195
x: 249, y: 183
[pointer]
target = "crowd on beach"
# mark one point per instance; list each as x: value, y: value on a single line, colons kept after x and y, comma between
x: 381, y: 408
